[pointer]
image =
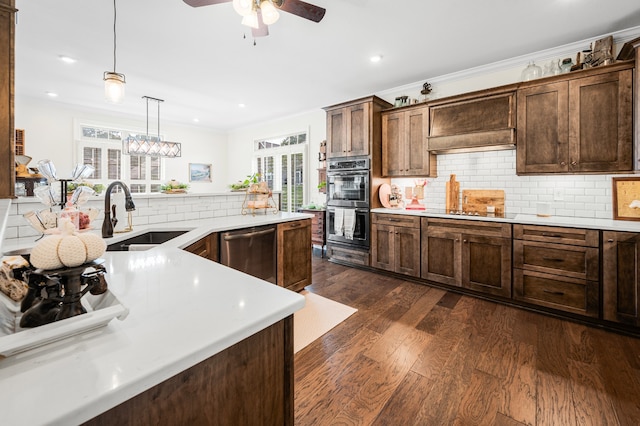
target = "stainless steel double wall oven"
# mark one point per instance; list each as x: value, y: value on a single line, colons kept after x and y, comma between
x: 348, y: 188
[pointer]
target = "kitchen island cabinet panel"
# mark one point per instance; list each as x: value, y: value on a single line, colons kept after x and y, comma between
x: 621, y: 277
x: 250, y: 383
x: 207, y: 247
x: 294, y: 254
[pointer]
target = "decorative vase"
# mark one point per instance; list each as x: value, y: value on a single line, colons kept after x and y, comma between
x: 531, y: 72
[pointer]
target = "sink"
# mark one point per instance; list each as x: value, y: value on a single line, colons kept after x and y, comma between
x: 145, y: 241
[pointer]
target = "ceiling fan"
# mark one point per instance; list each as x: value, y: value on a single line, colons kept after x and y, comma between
x: 259, y: 14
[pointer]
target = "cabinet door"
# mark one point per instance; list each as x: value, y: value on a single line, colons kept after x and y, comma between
x: 206, y: 247
x: 543, y: 132
x: 417, y: 159
x: 294, y: 254
x: 358, y: 129
x: 382, y: 248
x: 600, y: 123
x: 486, y: 264
x: 621, y: 277
x: 337, y: 133
x: 441, y: 260
x: 393, y: 144
x: 407, y: 251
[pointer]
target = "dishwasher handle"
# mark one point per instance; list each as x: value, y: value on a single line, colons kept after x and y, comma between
x: 249, y: 234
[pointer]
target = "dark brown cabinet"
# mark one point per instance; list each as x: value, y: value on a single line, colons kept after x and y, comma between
x: 621, y: 277
x: 404, y: 143
x: 353, y: 128
x: 395, y: 243
x: 7, y: 31
x: 473, y: 121
x: 579, y: 123
x: 558, y: 268
x: 294, y: 254
x: 470, y: 254
x: 207, y: 247
x: 318, y: 234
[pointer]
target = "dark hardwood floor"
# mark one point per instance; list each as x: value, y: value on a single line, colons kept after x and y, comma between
x: 416, y: 355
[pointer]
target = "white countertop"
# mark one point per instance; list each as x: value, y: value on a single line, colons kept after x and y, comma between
x: 530, y: 219
x: 182, y: 310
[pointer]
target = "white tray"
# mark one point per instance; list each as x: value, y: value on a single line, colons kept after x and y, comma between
x: 101, y: 309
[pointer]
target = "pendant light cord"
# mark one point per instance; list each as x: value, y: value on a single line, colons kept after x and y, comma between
x: 114, y: 36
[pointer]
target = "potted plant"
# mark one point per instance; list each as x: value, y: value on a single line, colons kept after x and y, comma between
x: 243, y: 185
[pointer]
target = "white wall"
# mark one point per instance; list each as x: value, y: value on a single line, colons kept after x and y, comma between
x: 241, y: 145
x: 49, y: 134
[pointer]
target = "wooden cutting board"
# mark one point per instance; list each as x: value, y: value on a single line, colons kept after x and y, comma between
x: 452, y: 195
x: 477, y: 200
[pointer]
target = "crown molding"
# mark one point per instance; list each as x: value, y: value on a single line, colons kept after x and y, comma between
x: 542, y: 56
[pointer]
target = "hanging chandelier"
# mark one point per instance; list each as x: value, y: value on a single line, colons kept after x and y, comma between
x: 151, y: 145
x: 114, y: 82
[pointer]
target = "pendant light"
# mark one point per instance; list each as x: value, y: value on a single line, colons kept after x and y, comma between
x: 113, y: 81
x: 146, y: 145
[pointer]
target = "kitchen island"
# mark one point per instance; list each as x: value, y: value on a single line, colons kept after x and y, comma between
x: 201, y: 343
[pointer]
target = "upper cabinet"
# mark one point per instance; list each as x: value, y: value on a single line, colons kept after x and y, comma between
x: 353, y: 128
x: 577, y: 123
x: 404, y: 143
x: 484, y: 120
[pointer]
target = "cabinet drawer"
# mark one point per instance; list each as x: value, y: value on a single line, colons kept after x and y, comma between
x: 562, y: 259
x: 468, y: 227
x: 558, y: 292
x: 550, y: 234
x: 397, y: 220
x: 346, y: 255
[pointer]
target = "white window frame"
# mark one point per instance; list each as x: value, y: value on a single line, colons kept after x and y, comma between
x: 82, y: 142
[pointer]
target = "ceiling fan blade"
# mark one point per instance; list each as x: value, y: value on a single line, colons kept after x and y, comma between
x: 262, y: 30
x: 304, y: 10
x: 198, y: 3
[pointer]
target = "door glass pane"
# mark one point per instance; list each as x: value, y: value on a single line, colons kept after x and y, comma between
x: 137, y: 188
x: 297, y: 182
x: 114, y: 164
x: 284, y: 169
x: 156, y: 169
x: 137, y: 167
x: 93, y: 157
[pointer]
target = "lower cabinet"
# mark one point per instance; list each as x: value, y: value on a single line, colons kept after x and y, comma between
x: 557, y: 268
x: 395, y: 243
x: 470, y: 254
x: 621, y: 277
x: 294, y: 254
x: 206, y: 247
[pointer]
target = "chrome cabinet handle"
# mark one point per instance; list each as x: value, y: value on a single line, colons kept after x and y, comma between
x: 573, y: 163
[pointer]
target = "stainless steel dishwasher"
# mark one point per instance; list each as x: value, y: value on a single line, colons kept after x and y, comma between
x: 251, y: 250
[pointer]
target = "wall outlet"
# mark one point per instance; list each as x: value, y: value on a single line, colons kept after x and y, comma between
x: 558, y: 194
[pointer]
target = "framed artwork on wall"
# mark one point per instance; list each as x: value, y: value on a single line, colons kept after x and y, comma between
x: 199, y: 172
x: 626, y: 198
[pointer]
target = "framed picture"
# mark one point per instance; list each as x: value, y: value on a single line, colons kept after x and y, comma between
x: 626, y: 198
x: 199, y: 172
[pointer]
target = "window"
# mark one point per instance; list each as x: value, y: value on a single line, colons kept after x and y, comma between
x: 281, y: 163
x: 101, y: 147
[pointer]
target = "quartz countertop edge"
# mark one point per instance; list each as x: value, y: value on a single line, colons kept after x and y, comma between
x: 183, y: 309
x: 530, y: 219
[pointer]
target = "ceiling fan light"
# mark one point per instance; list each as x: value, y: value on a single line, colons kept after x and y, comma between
x: 251, y: 20
x: 270, y: 14
x: 114, y: 87
x: 243, y: 7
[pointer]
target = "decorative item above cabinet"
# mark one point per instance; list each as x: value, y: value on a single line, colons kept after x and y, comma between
x: 484, y: 120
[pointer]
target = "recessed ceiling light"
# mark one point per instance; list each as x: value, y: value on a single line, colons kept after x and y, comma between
x: 376, y: 58
x: 241, y: 105
x: 52, y: 94
x: 196, y: 120
x: 67, y: 59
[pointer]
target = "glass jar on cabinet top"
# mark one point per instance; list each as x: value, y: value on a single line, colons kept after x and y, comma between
x: 531, y: 72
